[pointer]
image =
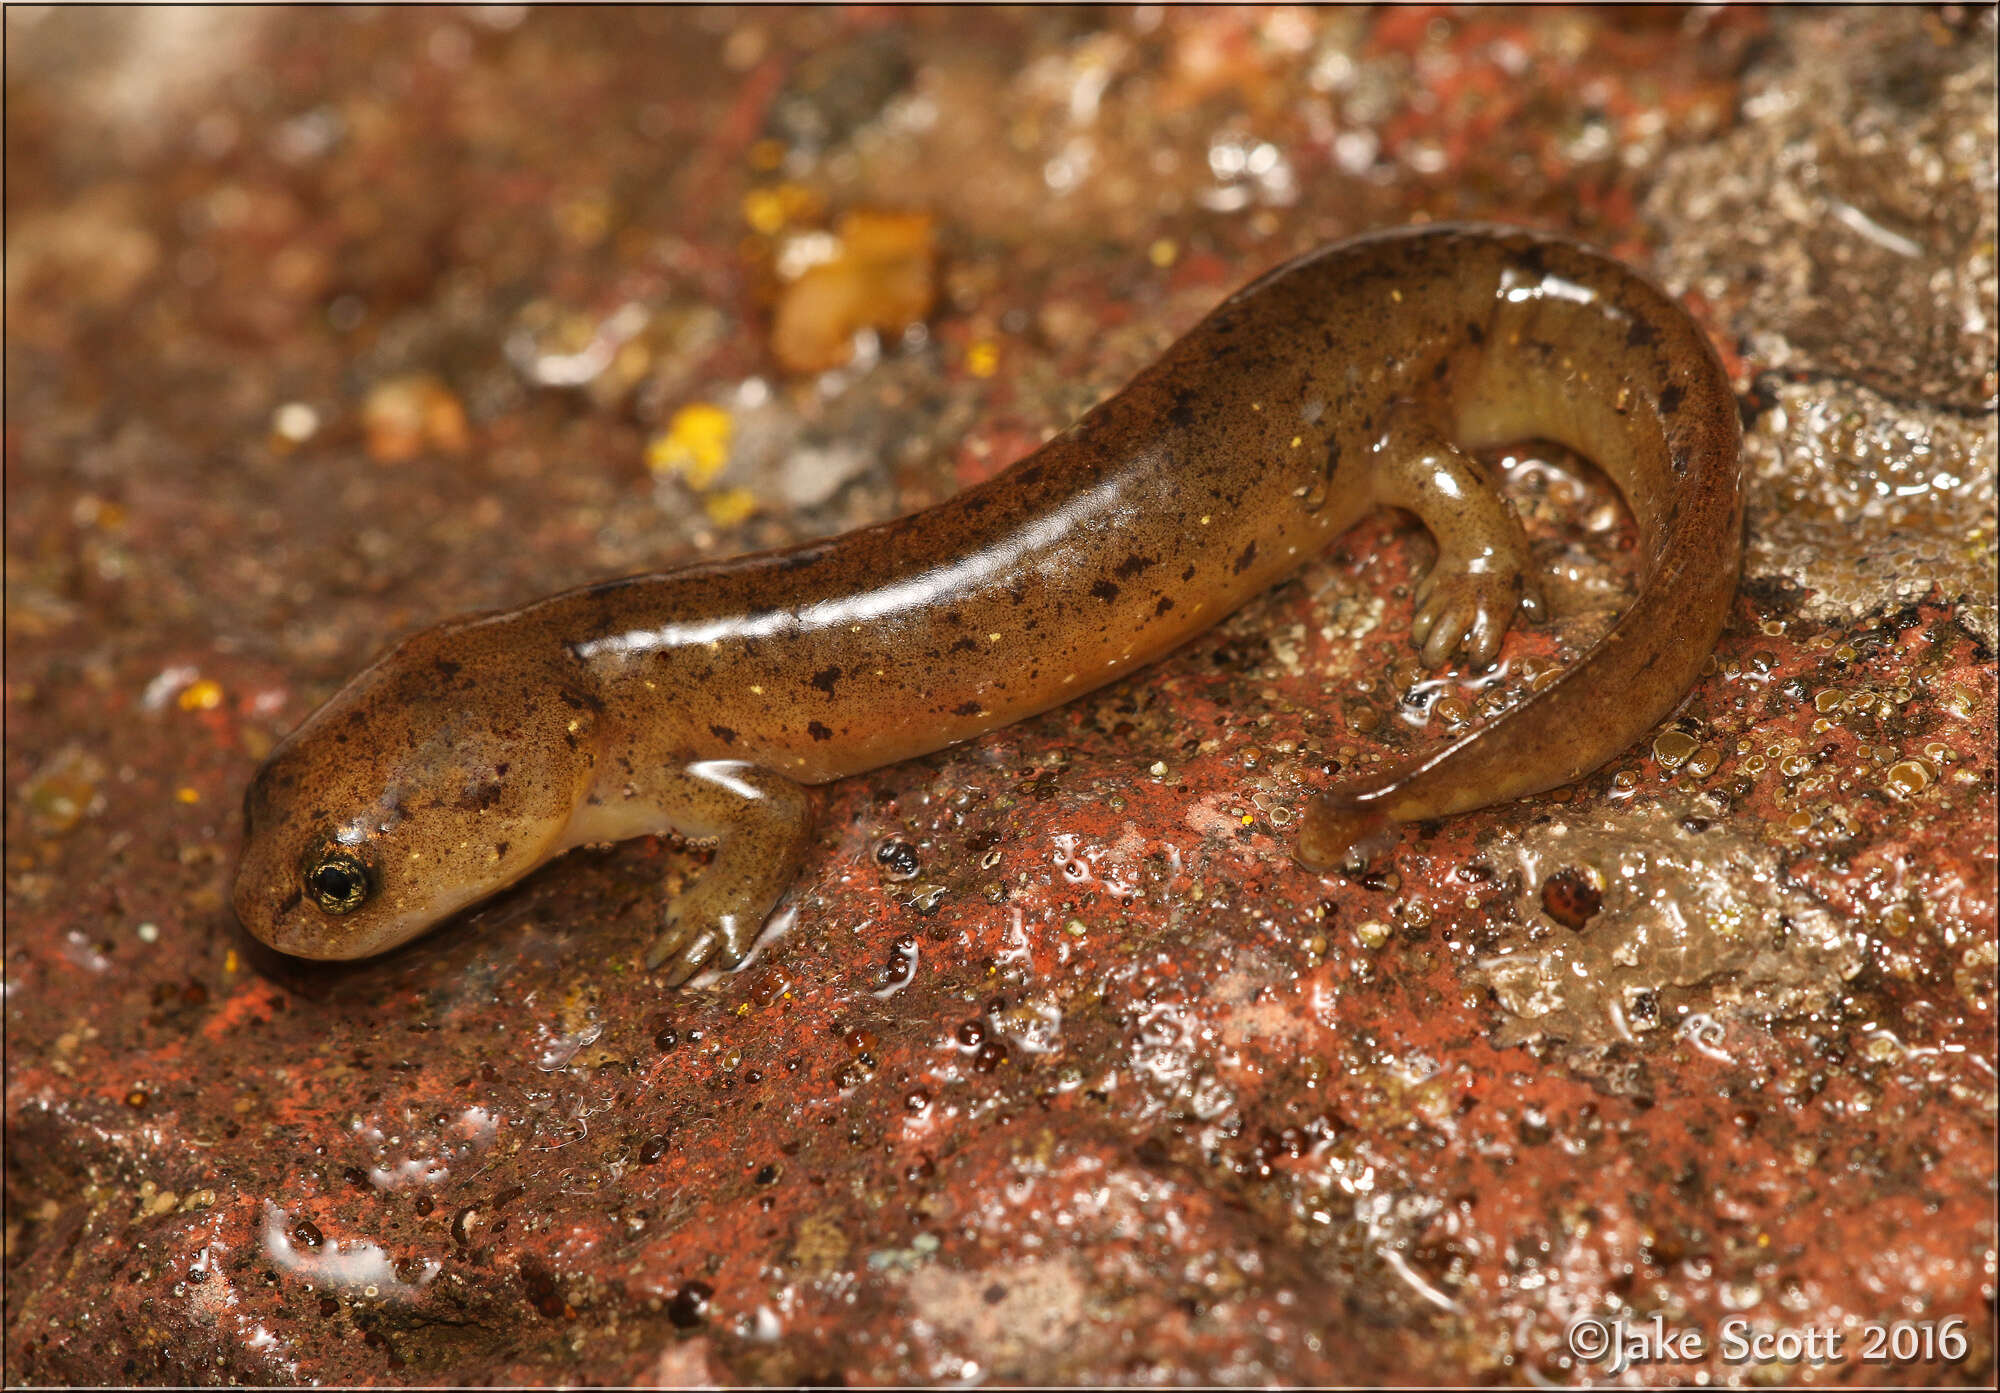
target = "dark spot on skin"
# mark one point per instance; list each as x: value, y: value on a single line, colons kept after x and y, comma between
x: 1243, y: 561
x: 580, y: 701
x: 818, y: 731
x: 1475, y: 331
x: 1105, y: 591
x: 1162, y: 607
x: 964, y: 645
x: 1534, y: 257
x: 953, y: 618
x: 1641, y: 335
x: 1670, y: 399
x: 825, y: 679
x: 723, y: 733
x: 446, y: 667
x: 970, y: 708
x: 978, y: 504
x: 1443, y: 367
x: 480, y: 794
x: 1181, y: 414
x: 500, y: 848
x: 1132, y: 566
x: 1188, y: 574
x: 1019, y: 595
x: 290, y: 902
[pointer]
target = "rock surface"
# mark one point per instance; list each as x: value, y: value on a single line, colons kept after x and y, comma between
x: 323, y: 325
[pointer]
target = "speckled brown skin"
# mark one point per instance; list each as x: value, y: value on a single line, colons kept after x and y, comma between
x: 700, y: 700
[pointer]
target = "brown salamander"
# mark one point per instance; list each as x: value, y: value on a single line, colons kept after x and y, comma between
x: 703, y: 700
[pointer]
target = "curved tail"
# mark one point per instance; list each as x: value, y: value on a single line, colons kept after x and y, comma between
x: 1584, y: 352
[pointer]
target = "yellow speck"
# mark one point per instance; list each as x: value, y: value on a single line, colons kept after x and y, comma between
x: 728, y: 507
x: 1397, y: 296
x: 187, y: 795
x: 764, y: 209
x: 204, y: 695
x: 983, y: 358
x: 1256, y: 406
x: 993, y: 638
x: 230, y: 962
x: 756, y: 690
x: 1204, y: 519
x: 575, y: 726
x: 1164, y: 252
x: 1297, y: 441
x: 695, y: 444
x: 1246, y: 819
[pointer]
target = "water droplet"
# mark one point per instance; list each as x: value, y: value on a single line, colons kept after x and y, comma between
x: 1572, y: 898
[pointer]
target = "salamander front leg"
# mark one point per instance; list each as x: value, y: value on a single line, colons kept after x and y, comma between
x: 1480, y: 577
x: 763, y: 821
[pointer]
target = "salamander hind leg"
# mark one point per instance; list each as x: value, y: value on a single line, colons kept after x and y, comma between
x: 762, y: 822
x: 1480, y: 578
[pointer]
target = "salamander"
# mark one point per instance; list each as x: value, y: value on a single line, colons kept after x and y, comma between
x: 702, y: 701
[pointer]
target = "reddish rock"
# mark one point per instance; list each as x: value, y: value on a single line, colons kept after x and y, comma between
x: 1063, y: 1071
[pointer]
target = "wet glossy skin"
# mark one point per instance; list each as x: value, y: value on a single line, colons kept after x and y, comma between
x: 701, y: 700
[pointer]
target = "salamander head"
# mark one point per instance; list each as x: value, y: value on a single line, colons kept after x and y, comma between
x: 444, y: 772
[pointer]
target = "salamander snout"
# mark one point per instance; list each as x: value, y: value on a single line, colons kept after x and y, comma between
x: 424, y: 785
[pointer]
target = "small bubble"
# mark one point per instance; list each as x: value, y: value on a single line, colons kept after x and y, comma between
x: 1571, y: 898
x: 688, y: 1308
x: 1909, y: 777
x: 971, y: 1033
x: 1672, y: 748
x: 898, y: 859
x: 653, y: 1148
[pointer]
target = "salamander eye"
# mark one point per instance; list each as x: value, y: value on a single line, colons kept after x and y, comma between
x: 338, y: 882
